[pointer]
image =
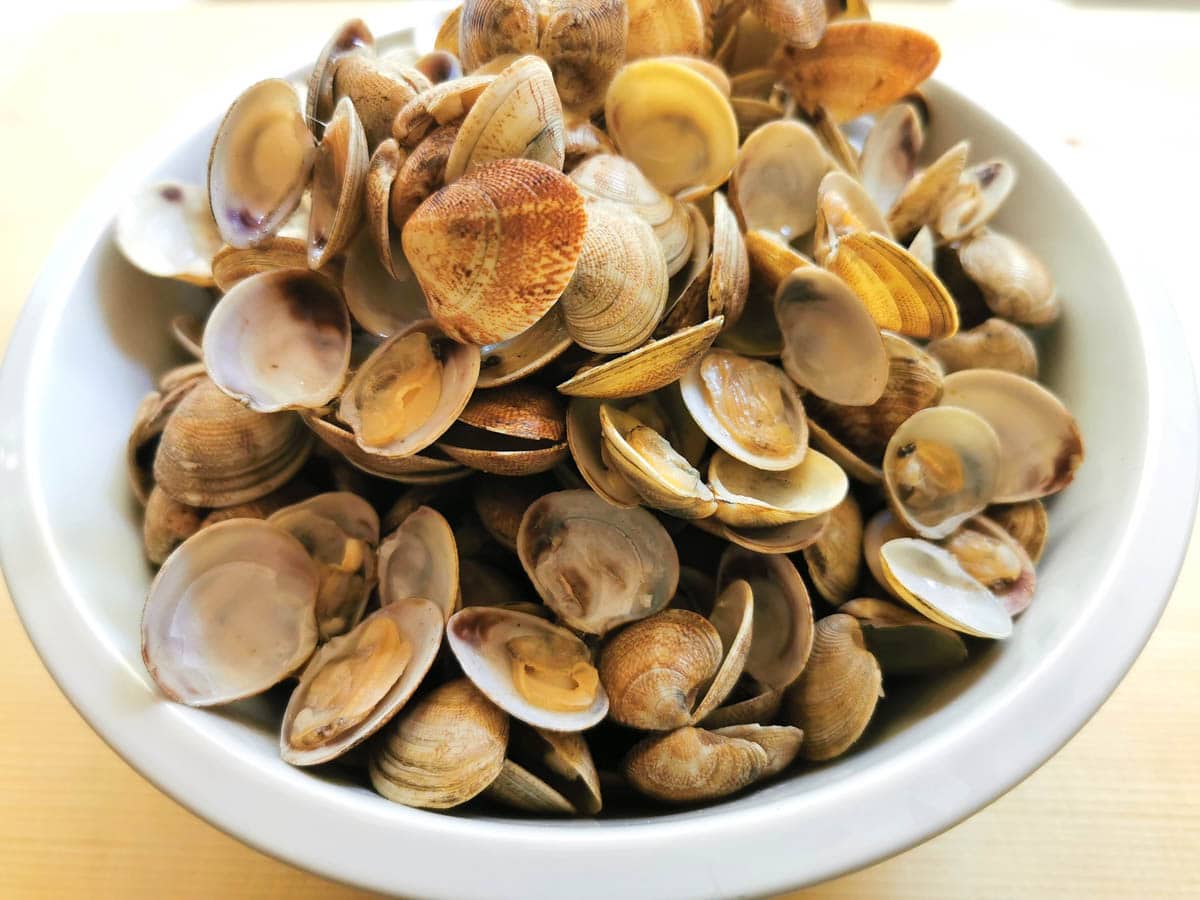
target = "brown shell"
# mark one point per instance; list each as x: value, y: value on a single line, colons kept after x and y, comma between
x: 523, y: 410
x: 416, y: 469
x: 1027, y: 522
x: 377, y: 90
x: 800, y: 23
x: 835, y: 559
x: 381, y: 175
x: 691, y: 764
x: 232, y: 264
x: 994, y: 344
x: 166, y: 524
x: 352, y: 38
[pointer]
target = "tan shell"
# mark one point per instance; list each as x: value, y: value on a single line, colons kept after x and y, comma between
x: 925, y: 195
x: 166, y: 523
x: 535, y: 347
x: 995, y: 559
x: 447, y: 35
x: 800, y: 23
x: 385, y: 164
x: 318, y: 723
x: 616, y: 179
x: 859, y: 67
x: 835, y: 696
x: 664, y: 27
x: 776, y: 176
x: 352, y: 38
x: 729, y: 280
x: 216, y: 452
x: 445, y: 749
x: 167, y: 229
x: 901, y: 294
x: 836, y: 143
x: 1040, y: 442
x: 1015, y: 283
x: 835, y: 559
x: 148, y: 423
x: 1027, y: 522
x: 831, y: 345
x: 415, y: 469
x: 500, y: 504
x: 747, y: 497
x: 762, y: 707
x: 339, y: 182
x: 447, y: 372
x: 490, y: 28
x: 690, y: 765
x: 748, y: 408
x: 378, y: 89
x: 442, y: 104
x: 494, y: 250
x: 582, y: 140
x: 773, y: 539
x: 513, y: 430
x: 584, y: 438
x: 619, y: 289
x: 279, y: 340
x: 981, y: 192
x: 420, y: 559
x: 940, y: 468
x: 994, y: 344
x: 923, y: 247
x: 674, y: 124
x: 518, y: 116
x: 651, y: 366
x: 381, y: 303
x: 626, y: 552
x: 230, y: 613
x: 439, y: 65
x: 548, y: 772
x: 904, y: 642
x: 263, y: 132
x: 422, y: 173
x: 844, y: 207
x: 232, y: 265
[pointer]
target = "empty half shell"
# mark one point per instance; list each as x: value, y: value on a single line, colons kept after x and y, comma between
x: 420, y: 559
x: 775, y: 178
x: 167, y: 229
x: 748, y: 497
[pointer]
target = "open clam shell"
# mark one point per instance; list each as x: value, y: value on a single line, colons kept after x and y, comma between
x: 167, y: 229
x: 835, y: 559
x: 595, y: 565
x: 924, y: 196
x: 416, y: 469
x: 232, y: 265
x: 775, y: 179
x: 903, y: 642
x: 378, y: 88
x: 996, y: 560
x: 729, y: 281
x: 534, y: 348
x: 420, y: 559
x: 749, y: 408
x: 548, y: 772
x: 409, y: 391
x: 940, y: 468
x: 1015, y: 283
x: 260, y: 163
x: 230, y: 613
x: 518, y: 429
x: 382, y: 170
x: 536, y: 671
x: 1027, y: 522
x: 422, y: 173
x: 339, y: 182
x: 844, y: 207
x: 748, y: 497
x: 381, y: 303
x: 889, y: 154
x: 1040, y: 442
x: 982, y: 190
x: 358, y: 681
x: 441, y: 104
x: 279, y: 340
x: 786, y: 538
x: 584, y: 437
x: 352, y: 38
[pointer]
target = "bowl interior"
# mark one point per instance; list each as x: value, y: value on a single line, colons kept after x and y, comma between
x: 101, y: 351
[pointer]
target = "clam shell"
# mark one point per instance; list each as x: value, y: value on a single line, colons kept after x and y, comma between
x: 442, y: 104
x: 166, y: 523
x: 664, y: 27
x: 774, y: 539
x: 381, y: 175
x: 835, y: 559
x: 500, y: 504
x: 584, y: 43
x: 439, y: 65
x: 422, y: 173
x: 690, y: 765
x: 981, y: 192
x: 167, y: 229
x: 230, y: 613
x: 415, y: 469
x: 1016, y: 284
x: 447, y: 35
x: 584, y: 439
x: 583, y: 140
x: 548, y: 772
x: 800, y: 23
x: 996, y: 560
x: 903, y: 642
x: 890, y: 152
x: 352, y: 38
x: 377, y: 90
x: 995, y: 344
x: 752, y: 113
x: 479, y: 635
x: 512, y: 430
x: 925, y: 195
x: 836, y: 143
x: 534, y: 348
x: 776, y: 176
x: 339, y: 182
x: 494, y: 250
x: 729, y: 281
x: 844, y: 207
x: 232, y: 265
x: 382, y: 304
x: 420, y: 559
x: 747, y: 497
x: 1027, y: 522
x: 491, y: 28
x: 148, y: 423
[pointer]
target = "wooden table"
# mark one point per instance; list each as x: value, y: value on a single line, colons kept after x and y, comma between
x: 1116, y: 813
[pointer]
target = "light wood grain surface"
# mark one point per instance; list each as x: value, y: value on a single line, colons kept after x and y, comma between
x: 1100, y: 91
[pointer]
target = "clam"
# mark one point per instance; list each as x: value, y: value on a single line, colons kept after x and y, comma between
x: 856, y: 436
x: 339, y: 181
x: 1040, y: 442
x: 409, y: 391
x: 651, y: 366
x: 230, y: 613
x: 1027, y: 522
x: 889, y: 154
x: 834, y: 698
x: 729, y: 279
x: 922, y: 247
x: 500, y: 504
x: 422, y: 173
x: 648, y: 463
x: 981, y: 192
x: 385, y: 164
x: 381, y: 303
x: 547, y: 772
x: 616, y: 179
x: 518, y: 116
x: 279, y: 340
x: 772, y: 260
x: 836, y: 143
x: 676, y: 667
x: 773, y: 539
x: 167, y: 229
x: 149, y: 421
x: 167, y: 523
x: 901, y: 294
x: 443, y: 750
x: 353, y: 38
x: 844, y: 207
x: 358, y: 681
x: 831, y: 345
x: 494, y: 250
x: 674, y: 124
x: 859, y: 67
x: 420, y: 559
x: 903, y: 642
x: 776, y: 176
x: 421, y: 468
x: 619, y: 290
x: 924, y: 196
x: 756, y: 333
x: 232, y: 265
x: 835, y: 558
x: 800, y: 23
x: 595, y: 565
x: 749, y: 44
x: 490, y: 28
x: 439, y: 66
x: 442, y: 104
x: 689, y: 764
x: 748, y: 497
x: 518, y: 429
x: 664, y: 27
x: 215, y: 452
x: 932, y: 581
x: 1016, y: 284
x: 940, y: 468
x: 783, y: 618
x: 260, y: 163
x: 534, y: 348
x: 340, y: 531
x: 378, y: 91
x: 995, y: 559
x: 749, y: 408
x: 534, y: 670
x: 583, y: 140
x: 584, y: 437
x: 995, y: 344
x: 584, y: 43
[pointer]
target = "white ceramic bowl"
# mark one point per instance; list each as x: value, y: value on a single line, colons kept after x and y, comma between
x: 92, y: 337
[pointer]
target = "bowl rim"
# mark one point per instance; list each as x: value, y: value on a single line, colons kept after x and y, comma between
x: 679, y: 857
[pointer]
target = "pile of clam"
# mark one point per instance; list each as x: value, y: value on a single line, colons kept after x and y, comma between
x: 587, y: 409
